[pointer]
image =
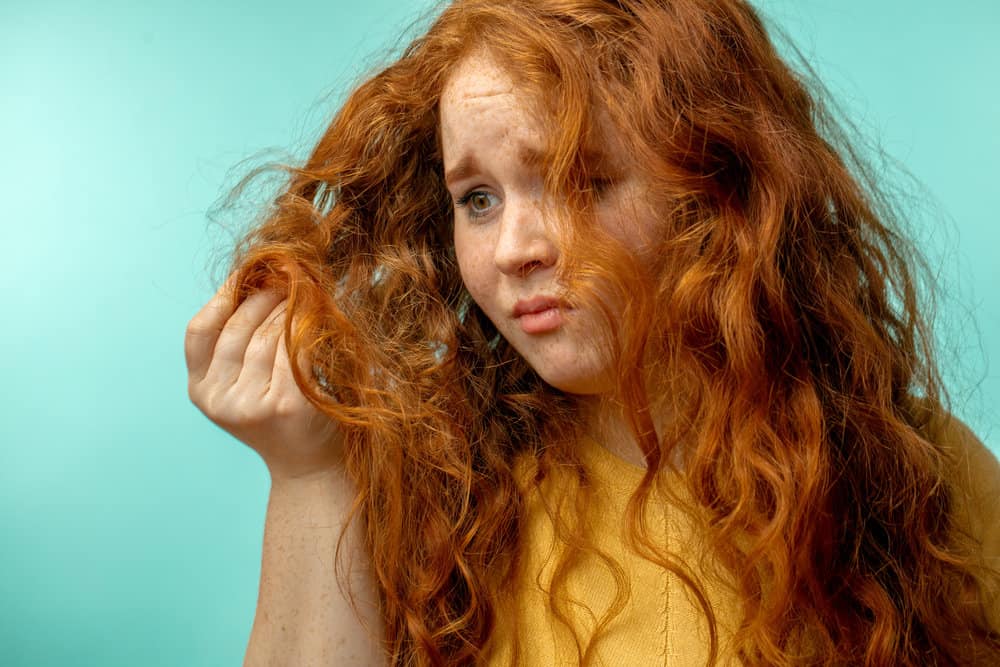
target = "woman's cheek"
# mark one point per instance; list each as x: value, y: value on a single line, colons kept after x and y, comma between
x: 476, y: 269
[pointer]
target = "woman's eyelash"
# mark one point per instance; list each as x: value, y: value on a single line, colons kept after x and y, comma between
x: 599, y: 185
x: 465, y: 201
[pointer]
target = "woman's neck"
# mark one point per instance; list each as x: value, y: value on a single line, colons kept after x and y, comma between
x: 606, y: 423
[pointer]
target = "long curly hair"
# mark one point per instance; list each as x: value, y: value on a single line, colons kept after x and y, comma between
x: 781, y: 330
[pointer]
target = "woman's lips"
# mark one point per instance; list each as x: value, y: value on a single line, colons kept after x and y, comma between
x: 539, y: 314
x: 549, y: 319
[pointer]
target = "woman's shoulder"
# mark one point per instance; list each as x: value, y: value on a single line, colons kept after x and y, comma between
x: 975, y: 486
x: 975, y: 469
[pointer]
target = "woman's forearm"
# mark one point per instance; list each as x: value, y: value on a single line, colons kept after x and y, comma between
x: 304, y: 616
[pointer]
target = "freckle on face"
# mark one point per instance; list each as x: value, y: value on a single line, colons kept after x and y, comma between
x: 490, y: 142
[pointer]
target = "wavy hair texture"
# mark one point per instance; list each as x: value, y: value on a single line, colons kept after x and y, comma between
x: 782, y: 318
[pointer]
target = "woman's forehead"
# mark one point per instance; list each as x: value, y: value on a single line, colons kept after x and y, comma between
x: 479, y: 72
x: 480, y: 85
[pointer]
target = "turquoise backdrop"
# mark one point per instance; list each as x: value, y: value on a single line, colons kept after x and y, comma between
x: 131, y: 525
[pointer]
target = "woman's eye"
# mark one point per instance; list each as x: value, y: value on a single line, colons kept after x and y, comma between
x: 478, y: 203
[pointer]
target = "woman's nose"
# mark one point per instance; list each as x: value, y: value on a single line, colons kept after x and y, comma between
x: 525, y: 242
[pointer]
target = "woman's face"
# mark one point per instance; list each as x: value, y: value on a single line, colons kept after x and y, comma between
x: 505, y: 238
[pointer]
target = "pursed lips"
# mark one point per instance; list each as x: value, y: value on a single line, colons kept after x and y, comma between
x: 536, y: 304
x: 539, y: 314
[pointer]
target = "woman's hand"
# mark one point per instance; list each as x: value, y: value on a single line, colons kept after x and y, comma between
x: 240, y: 376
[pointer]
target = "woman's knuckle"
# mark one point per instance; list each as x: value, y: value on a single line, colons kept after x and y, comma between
x: 196, y: 328
x: 256, y: 347
x: 249, y: 410
x: 210, y: 402
x: 196, y: 393
x: 287, y: 406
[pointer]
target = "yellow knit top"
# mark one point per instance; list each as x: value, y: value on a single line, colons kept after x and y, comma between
x: 661, y: 623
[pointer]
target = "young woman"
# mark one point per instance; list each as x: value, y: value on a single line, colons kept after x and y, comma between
x: 606, y: 351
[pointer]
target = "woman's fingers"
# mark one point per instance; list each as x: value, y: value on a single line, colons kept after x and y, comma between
x: 241, y: 377
x: 282, y: 379
x: 258, y: 363
x: 231, y: 345
x: 203, y: 331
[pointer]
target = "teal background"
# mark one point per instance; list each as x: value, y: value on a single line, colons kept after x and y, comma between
x: 132, y: 526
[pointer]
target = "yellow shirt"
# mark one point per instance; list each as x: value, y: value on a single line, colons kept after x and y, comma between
x: 661, y: 623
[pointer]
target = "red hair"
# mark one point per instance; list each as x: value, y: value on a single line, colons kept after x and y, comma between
x: 781, y: 319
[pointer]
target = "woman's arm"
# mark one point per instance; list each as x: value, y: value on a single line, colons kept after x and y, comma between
x: 303, y: 616
x: 240, y: 376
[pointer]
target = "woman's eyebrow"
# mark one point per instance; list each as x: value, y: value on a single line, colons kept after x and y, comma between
x: 462, y: 169
x: 530, y: 156
x: 601, y: 160
x: 594, y: 158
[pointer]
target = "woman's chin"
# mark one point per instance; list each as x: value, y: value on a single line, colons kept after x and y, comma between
x: 578, y: 383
